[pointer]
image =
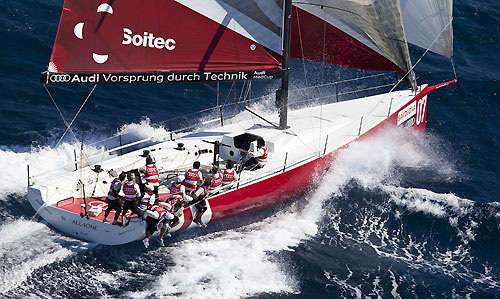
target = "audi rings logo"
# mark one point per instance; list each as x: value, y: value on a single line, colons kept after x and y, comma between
x: 60, y: 78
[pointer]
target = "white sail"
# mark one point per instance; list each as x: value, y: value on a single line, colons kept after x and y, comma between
x: 428, y: 21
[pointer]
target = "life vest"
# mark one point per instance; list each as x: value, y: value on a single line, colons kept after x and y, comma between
x: 113, y: 184
x: 146, y: 201
x: 216, y: 181
x: 151, y: 174
x: 129, y: 191
x: 159, y: 210
x: 176, y: 191
x: 150, y: 192
x: 202, y: 195
x: 228, y: 177
x: 192, y: 177
x: 263, y: 158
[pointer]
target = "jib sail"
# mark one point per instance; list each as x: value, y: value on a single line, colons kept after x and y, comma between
x: 370, y: 34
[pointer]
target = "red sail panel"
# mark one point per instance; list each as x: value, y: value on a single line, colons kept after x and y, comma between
x: 97, y: 36
x: 317, y: 40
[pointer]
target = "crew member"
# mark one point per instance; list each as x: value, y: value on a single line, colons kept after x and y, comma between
x: 148, y: 199
x: 199, y: 200
x: 132, y: 195
x: 216, y: 179
x: 259, y: 156
x: 155, y: 215
x: 159, y: 216
x: 151, y: 174
x: 113, y: 198
x: 178, y: 191
x: 228, y: 175
x: 193, y: 177
x: 167, y: 225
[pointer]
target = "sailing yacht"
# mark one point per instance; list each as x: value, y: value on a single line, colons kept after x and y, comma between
x: 211, y: 41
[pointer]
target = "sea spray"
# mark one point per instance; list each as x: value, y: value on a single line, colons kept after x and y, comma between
x: 27, y: 246
x: 239, y: 262
x: 42, y: 158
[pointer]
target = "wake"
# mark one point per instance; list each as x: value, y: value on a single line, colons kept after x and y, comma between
x: 42, y: 159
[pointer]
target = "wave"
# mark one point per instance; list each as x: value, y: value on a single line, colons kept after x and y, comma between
x: 407, y: 230
x: 247, y: 261
x: 27, y: 246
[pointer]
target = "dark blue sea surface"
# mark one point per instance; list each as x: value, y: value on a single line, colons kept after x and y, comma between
x: 418, y: 220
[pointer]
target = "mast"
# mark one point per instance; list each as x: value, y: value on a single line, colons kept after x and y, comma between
x: 282, y: 93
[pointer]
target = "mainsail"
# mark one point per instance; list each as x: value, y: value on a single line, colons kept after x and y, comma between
x: 97, y: 36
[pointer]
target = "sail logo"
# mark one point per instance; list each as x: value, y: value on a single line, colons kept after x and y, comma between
x: 407, y: 113
x: 60, y: 78
x: 421, y: 107
x: 148, y: 40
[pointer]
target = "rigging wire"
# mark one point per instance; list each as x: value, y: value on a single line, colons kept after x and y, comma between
x: 453, y: 67
x: 421, y: 57
x: 338, y: 82
x: 60, y: 112
x: 238, y: 104
x: 76, y: 115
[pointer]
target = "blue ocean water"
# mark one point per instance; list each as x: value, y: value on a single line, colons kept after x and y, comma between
x: 421, y: 220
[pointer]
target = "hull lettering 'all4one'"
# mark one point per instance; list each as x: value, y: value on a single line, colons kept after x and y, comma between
x: 240, y: 166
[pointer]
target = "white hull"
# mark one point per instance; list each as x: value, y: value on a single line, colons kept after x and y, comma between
x: 315, y: 133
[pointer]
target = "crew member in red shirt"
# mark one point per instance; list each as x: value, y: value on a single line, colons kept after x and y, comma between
x: 216, y: 179
x: 178, y: 191
x: 148, y: 199
x: 155, y: 215
x: 132, y: 195
x: 259, y: 156
x: 151, y: 175
x: 193, y: 177
x: 228, y: 174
